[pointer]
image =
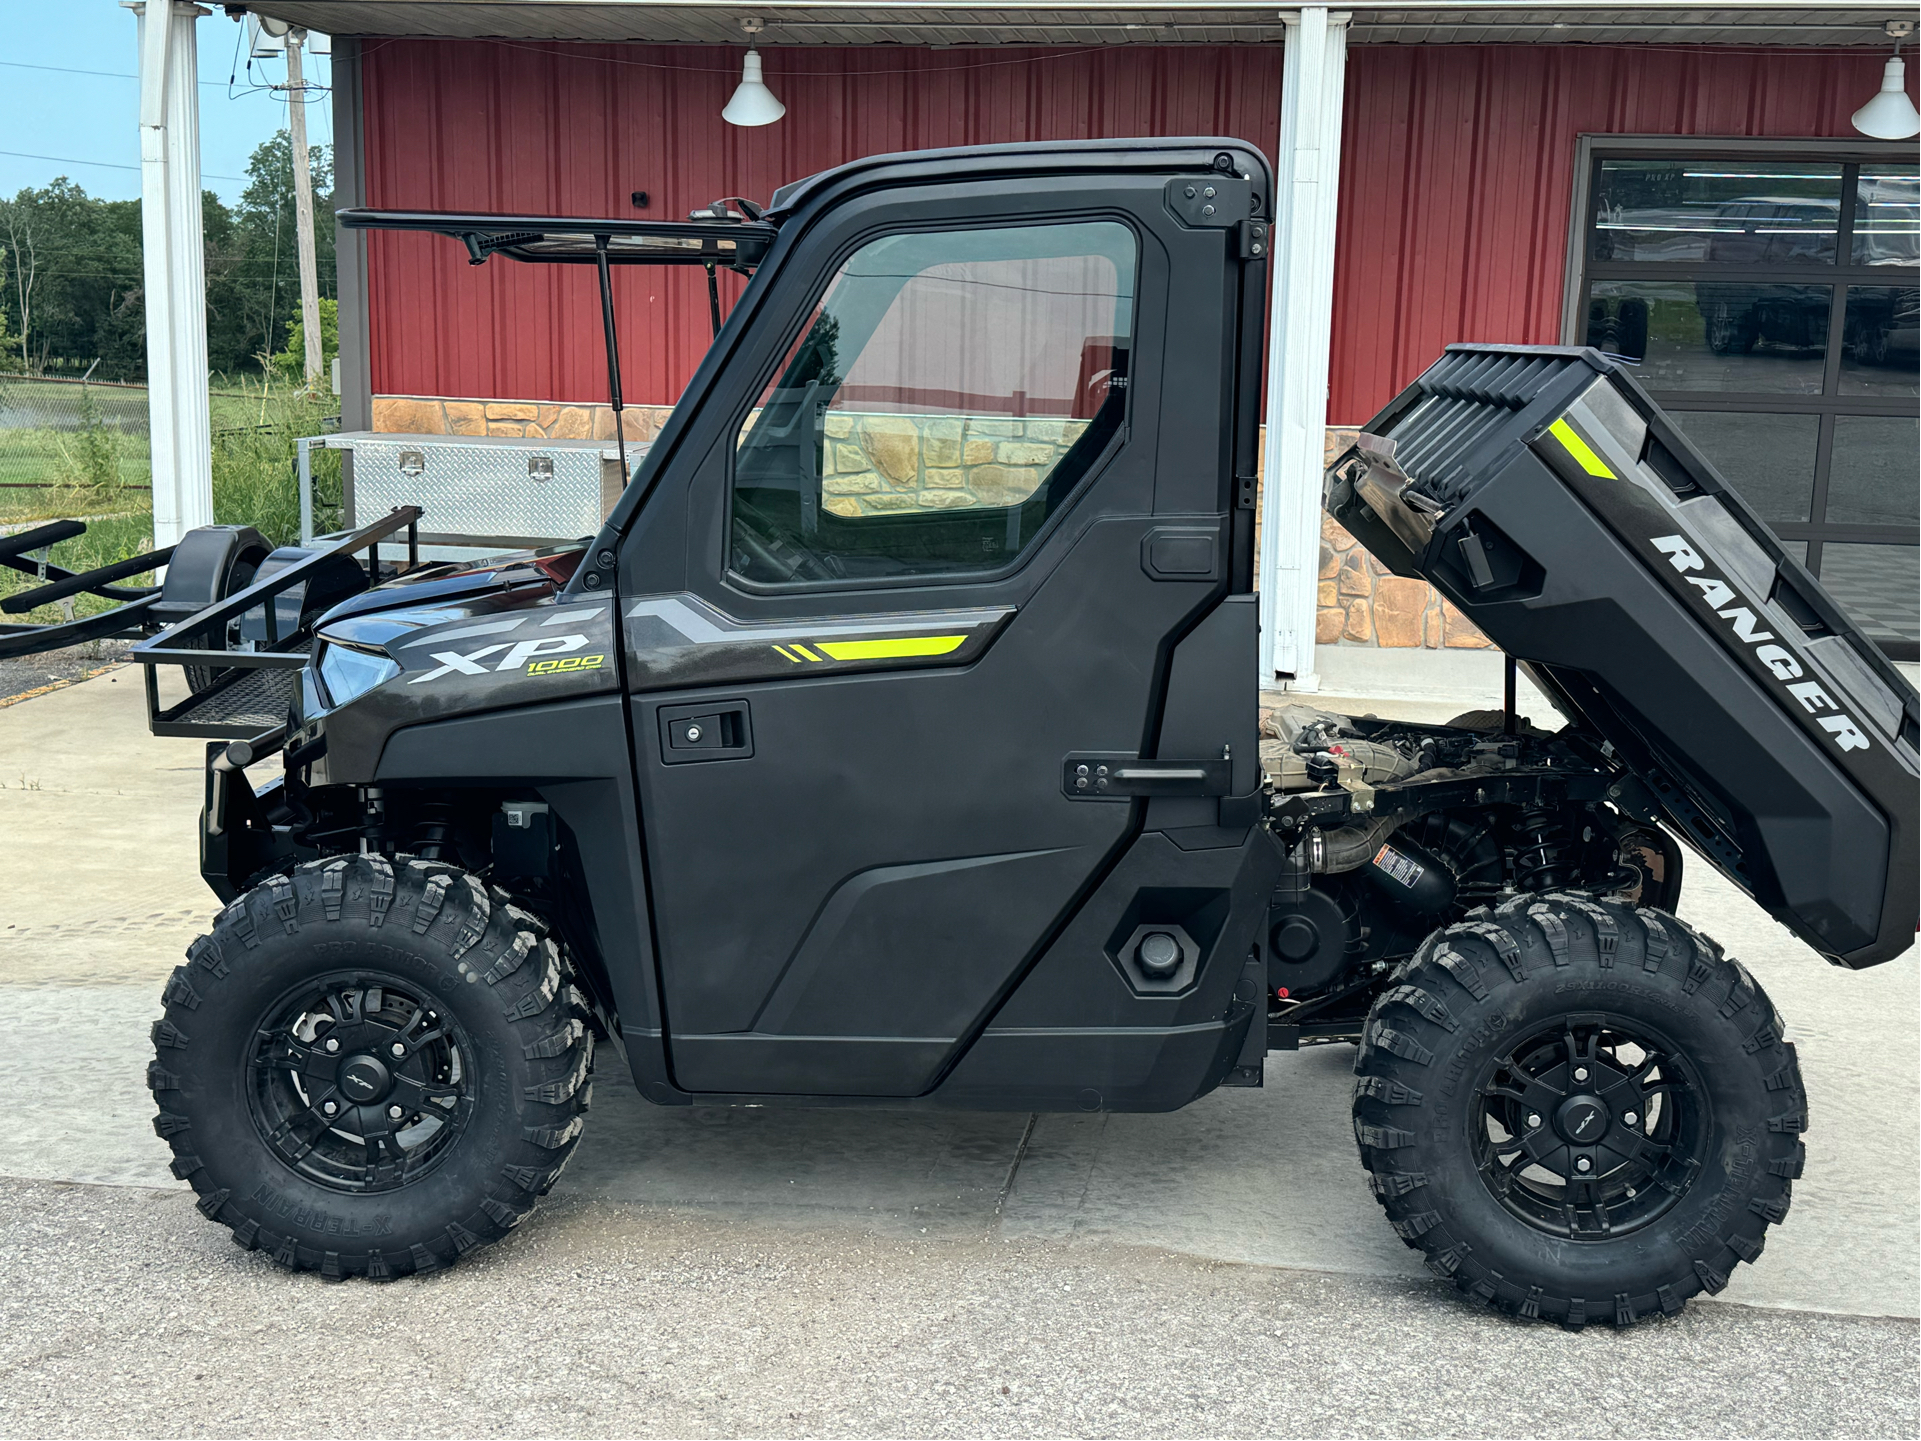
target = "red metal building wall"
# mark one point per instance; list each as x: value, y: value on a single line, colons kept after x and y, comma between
x: 575, y: 129
x: 1457, y: 167
x: 1455, y: 175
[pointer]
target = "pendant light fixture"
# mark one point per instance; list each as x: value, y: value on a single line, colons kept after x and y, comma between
x: 752, y: 103
x: 1890, y: 115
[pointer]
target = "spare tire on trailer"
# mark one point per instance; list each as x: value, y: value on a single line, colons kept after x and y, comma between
x: 210, y: 563
x: 214, y: 562
x: 1577, y: 1110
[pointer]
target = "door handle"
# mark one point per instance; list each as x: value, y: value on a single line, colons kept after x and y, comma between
x: 1116, y: 776
x: 709, y: 731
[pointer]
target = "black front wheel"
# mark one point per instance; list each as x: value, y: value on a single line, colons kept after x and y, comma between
x: 371, y: 1067
x: 1579, y: 1110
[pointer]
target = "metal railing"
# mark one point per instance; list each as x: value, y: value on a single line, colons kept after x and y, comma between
x: 217, y: 710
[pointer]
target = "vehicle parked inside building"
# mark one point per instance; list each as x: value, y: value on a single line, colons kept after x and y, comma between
x: 897, y: 742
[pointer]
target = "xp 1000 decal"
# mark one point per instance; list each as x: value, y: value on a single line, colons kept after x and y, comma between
x: 532, y: 641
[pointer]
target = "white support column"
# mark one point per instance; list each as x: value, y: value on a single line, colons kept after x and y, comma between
x: 1307, y: 182
x: 173, y: 266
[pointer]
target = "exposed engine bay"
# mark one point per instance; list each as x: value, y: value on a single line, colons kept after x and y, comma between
x: 1395, y: 829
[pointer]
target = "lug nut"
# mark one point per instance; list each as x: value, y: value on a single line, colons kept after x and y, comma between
x: 1630, y: 1119
x: 399, y: 1049
x: 1582, y: 1163
x: 332, y: 1044
x: 1580, y: 1073
x: 393, y: 1113
x: 1533, y: 1119
x: 329, y: 1107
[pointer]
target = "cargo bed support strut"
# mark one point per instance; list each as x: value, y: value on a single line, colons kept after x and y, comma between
x: 613, y: 351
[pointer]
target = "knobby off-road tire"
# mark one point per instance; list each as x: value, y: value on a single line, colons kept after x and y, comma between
x: 1473, y: 1126
x: 371, y: 987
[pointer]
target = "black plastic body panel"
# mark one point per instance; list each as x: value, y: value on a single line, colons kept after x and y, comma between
x: 574, y: 755
x: 847, y: 911
x: 871, y: 889
x: 872, y: 880
x: 1076, y: 1026
x: 494, y: 650
x: 1545, y: 495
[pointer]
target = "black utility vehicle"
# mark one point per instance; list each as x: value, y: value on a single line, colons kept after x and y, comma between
x: 897, y: 742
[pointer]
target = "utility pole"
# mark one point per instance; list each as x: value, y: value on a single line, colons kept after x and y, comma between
x: 303, y: 209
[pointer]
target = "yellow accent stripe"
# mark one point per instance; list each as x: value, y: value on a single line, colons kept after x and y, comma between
x: 802, y: 651
x: 1578, y: 448
x: 898, y: 649
x: 787, y: 654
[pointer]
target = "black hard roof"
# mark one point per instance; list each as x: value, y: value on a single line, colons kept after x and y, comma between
x: 1151, y: 154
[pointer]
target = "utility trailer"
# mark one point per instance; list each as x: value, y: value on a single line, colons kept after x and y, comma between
x: 137, y: 612
x: 896, y: 742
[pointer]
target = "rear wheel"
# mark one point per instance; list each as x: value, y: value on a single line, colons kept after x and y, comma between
x: 371, y: 1067
x: 1578, y: 1110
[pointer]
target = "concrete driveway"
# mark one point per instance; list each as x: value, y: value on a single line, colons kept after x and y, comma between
x: 1225, y: 1261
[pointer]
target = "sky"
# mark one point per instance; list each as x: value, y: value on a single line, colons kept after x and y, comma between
x: 89, y: 123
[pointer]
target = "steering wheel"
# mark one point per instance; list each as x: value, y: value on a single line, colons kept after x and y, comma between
x: 796, y: 564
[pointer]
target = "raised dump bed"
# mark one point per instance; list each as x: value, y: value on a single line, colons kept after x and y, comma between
x: 1544, y: 493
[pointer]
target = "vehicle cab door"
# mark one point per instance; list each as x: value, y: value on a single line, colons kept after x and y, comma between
x: 901, y: 602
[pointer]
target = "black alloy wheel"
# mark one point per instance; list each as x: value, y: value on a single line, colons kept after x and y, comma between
x: 1589, y: 1128
x: 371, y: 1066
x: 360, y: 1083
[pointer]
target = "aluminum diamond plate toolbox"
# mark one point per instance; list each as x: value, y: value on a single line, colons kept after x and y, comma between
x: 483, y: 490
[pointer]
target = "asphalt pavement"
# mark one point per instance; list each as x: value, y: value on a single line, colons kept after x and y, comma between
x: 123, y: 1313
x: 1221, y: 1270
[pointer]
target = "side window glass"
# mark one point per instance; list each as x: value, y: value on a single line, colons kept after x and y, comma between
x: 947, y: 396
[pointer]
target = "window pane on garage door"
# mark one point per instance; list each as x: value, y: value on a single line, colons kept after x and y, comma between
x: 1887, y: 215
x: 1879, y: 345
x: 1718, y: 212
x: 1732, y: 335
x: 1878, y: 584
x: 1769, y: 459
x: 1872, y: 476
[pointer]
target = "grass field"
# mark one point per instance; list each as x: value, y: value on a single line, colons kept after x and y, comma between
x: 55, y: 433
x: 90, y: 470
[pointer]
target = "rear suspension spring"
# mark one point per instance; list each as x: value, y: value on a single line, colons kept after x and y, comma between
x: 1542, y: 860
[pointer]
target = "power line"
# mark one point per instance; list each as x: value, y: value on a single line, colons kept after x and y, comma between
x: 105, y: 164
x: 103, y: 74
x: 314, y: 90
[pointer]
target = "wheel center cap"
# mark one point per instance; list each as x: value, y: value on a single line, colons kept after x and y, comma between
x: 1581, y: 1120
x: 364, y: 1079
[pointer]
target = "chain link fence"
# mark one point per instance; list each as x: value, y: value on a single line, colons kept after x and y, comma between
x: 83, y: 445
x: 58, y: 434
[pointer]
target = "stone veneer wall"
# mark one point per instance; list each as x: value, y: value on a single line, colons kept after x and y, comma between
x: 878, y: 464
x: 1362, y: 603
x: 882, y: 463
x: 546, y: 420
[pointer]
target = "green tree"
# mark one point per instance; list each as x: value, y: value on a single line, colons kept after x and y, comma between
x: 264, y: 225
x: 290, y: 361
x: 72, y: 266
x: 9, y: 342
x: 70, y: 271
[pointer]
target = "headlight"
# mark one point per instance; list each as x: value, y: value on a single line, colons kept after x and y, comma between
x: 347, y: 673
